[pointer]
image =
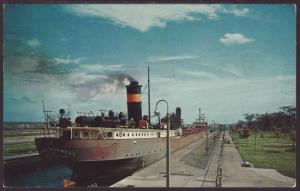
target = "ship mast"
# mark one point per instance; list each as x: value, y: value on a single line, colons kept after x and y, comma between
x: 149, y: 96
x: 45, y: 118
x: 46, y: 114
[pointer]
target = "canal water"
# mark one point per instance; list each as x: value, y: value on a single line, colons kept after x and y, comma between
x: 51, y: 176
x: 46, y: 177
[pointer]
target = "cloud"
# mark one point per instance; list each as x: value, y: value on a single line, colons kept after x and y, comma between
x: 201, y: 74
x: 22, y: 100
x: 18, y: 64
x: 232, y: 97
x: 64, y: 74
x: 234, y: 38
x: 285, y: 77
x: 171, y: 58
x: 233, y: 71
x: 144, y: 17
x: 61, y: 60
x: 240, y: 12
x: 33, y: 42
x: 100, y: 67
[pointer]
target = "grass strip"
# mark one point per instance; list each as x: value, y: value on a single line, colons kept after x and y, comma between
x: 269, y: 152
x: 18, y: 148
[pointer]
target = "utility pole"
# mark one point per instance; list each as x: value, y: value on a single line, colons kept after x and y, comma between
x: 206, y: 139
x: 199, y: 116
x: 214, y: 132
x: 149, y: 96
x: 255, y: 140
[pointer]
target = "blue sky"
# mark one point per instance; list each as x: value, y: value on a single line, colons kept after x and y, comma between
x: 226, y: 59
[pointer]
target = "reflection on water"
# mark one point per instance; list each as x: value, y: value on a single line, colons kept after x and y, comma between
x: 51, y: 176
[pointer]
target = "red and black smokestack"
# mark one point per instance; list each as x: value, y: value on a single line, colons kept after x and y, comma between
x: 134, y: 101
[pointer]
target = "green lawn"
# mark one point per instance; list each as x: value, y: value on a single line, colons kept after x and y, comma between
x: 270, y: 152
x: 19, y: 148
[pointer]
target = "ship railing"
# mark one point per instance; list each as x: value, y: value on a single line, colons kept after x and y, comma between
x: 102, y: 133
x: 57, y: 135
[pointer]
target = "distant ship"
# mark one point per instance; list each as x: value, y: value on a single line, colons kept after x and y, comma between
x: 113, y: 145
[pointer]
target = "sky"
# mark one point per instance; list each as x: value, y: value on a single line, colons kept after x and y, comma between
x: 227, y: 59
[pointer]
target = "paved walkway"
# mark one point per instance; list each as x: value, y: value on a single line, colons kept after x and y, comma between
x: 189, y: 174
x: 185, y: 170
x: 234, y: 175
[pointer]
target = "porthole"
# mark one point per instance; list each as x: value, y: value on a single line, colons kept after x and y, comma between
x: 135, y: 134
x: 128, y: 134
x: 132, y: 134
x: 109, y: 134
x: 139, y: 134
x: 117, y: 134
x: 123, y: 134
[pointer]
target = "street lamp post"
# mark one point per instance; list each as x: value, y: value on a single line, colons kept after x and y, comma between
x: 206, y: 140
x: 213, y: 122
x: 168, y: 143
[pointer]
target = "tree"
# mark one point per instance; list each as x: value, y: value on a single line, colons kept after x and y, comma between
x: 288, y: 117
x: 249, y: 118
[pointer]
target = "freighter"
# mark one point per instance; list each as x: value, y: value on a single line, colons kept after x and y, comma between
x: 111, y: 145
